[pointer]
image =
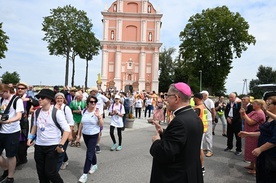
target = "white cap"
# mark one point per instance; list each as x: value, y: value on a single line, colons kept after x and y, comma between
x: 117, y: 96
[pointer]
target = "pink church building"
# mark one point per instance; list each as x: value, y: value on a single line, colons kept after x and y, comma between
x: 130, y: 46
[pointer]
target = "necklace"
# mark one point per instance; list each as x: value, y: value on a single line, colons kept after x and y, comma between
x: 42, y: 119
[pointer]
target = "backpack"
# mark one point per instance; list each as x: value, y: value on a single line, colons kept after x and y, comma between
x: 54, y: 117
x: 126, y: 103
x: 15, y: 98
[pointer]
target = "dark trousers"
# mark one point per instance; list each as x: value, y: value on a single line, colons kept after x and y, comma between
x: 21, y: 156
x: 234, y: 129
x: 91, y: 158
x: 124, y: 117
x: 46, y: 158
x: 148, y: 108
x: 137, y: 112
x: 119, y: 132
x: 62, y: 156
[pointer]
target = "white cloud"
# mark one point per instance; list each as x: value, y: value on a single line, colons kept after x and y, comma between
x: 28, y: 54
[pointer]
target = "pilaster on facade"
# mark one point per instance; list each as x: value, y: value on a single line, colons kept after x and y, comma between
x: 131, y: 42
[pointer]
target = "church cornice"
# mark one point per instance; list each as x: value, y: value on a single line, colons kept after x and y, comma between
x: 134, y: 15
x: 130, y: 44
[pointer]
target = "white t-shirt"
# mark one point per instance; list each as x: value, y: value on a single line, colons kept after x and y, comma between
x: 68, y: 114
x: 14, y: 126
x: 210, y: 105
x: 138, y: 103
x: 90, y: 123
x: 117, y: 121
x: 47, y: 132
x: 101, y: 102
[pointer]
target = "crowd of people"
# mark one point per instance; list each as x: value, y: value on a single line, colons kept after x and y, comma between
x: 62, y: 116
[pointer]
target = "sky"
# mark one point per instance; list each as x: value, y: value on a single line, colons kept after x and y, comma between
x: 28, y: 54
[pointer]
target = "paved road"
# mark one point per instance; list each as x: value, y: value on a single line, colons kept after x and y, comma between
x: 133, y: 163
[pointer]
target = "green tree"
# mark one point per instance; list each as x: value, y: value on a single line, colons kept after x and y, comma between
x: 3, y: 42
x: 88, y: 48
x: 62, y: 29
x: 166, y: 68
x: 265, y: 75
x: 210, y: 41
x: 8, y: 77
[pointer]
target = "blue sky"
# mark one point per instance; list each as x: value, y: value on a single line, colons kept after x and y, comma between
x: 28, y: 54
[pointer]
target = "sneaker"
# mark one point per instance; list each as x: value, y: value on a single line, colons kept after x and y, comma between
x: 98, y: 149
x: 4, y: 176
x: 119, y: 148
x: 64, y: 165
x: 10, y: 180
x: 227, y: 149
x: 83, y: 178
x: 238, y: 153
x: 113, y: 147
x: 203, y: 171
x: 209, y: 154
x: 93, y: 169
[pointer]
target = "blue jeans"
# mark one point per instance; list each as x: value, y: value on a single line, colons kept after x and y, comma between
x: 63, y: 156
x: 91, y: 158
x: 148, y: 108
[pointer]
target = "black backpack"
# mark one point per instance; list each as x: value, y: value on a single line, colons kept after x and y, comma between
x: 54, y: 117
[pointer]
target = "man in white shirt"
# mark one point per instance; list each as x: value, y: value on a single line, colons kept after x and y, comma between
x: 9, y: 131
x: 208, y: 137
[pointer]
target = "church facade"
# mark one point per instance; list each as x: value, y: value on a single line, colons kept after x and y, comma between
x: 130, y: 46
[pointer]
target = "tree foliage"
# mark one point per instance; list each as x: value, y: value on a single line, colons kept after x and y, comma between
x: 166, y: 67
x: 3, y: 42
x: 265, y: 75
x: 62, y: 32
x: 8, y: 77
x: 210, y: 41
x: 89, y: 47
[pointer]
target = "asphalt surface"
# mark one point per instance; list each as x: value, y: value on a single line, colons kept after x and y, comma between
x: 133, y: 163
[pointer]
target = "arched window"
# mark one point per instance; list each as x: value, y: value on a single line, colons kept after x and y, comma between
x: 149, y: 8
x: 112, y: 35
x: 115, y: 8
x: 150, y: 36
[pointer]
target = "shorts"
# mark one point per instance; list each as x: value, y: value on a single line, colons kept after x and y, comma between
x: 9, y: 142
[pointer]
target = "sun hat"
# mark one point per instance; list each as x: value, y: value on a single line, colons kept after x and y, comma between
x: 93, y: 88
x: 22, y: 84
x: 46, y: 93
x: 183, y: 88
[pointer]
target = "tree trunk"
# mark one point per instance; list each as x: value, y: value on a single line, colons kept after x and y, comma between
x: 73, y: 71
x: 67, y: 67
x: 86, y: 75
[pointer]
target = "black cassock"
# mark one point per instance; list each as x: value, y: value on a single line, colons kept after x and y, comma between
x: 176, y: 157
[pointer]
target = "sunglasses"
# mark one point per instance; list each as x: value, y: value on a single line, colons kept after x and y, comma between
x: 42, y: 98
x: 21, y: 88
x: 92, y: 102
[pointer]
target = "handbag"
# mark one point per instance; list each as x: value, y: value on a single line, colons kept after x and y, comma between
x: 270, y: 163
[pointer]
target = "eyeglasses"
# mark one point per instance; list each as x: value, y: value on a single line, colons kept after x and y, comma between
x: 42, y: 98
x: 21, y: 88
x: 169, y: 95
x: 92, y: 102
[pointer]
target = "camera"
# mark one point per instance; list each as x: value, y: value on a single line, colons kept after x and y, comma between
x: 4, y: 117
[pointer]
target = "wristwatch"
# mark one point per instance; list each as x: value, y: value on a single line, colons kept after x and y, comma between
x: 60, y: 146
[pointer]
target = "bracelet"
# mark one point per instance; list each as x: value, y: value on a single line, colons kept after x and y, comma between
x: 31, y: 136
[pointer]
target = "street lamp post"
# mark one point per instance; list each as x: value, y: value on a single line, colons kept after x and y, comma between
x: 200, y: 80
